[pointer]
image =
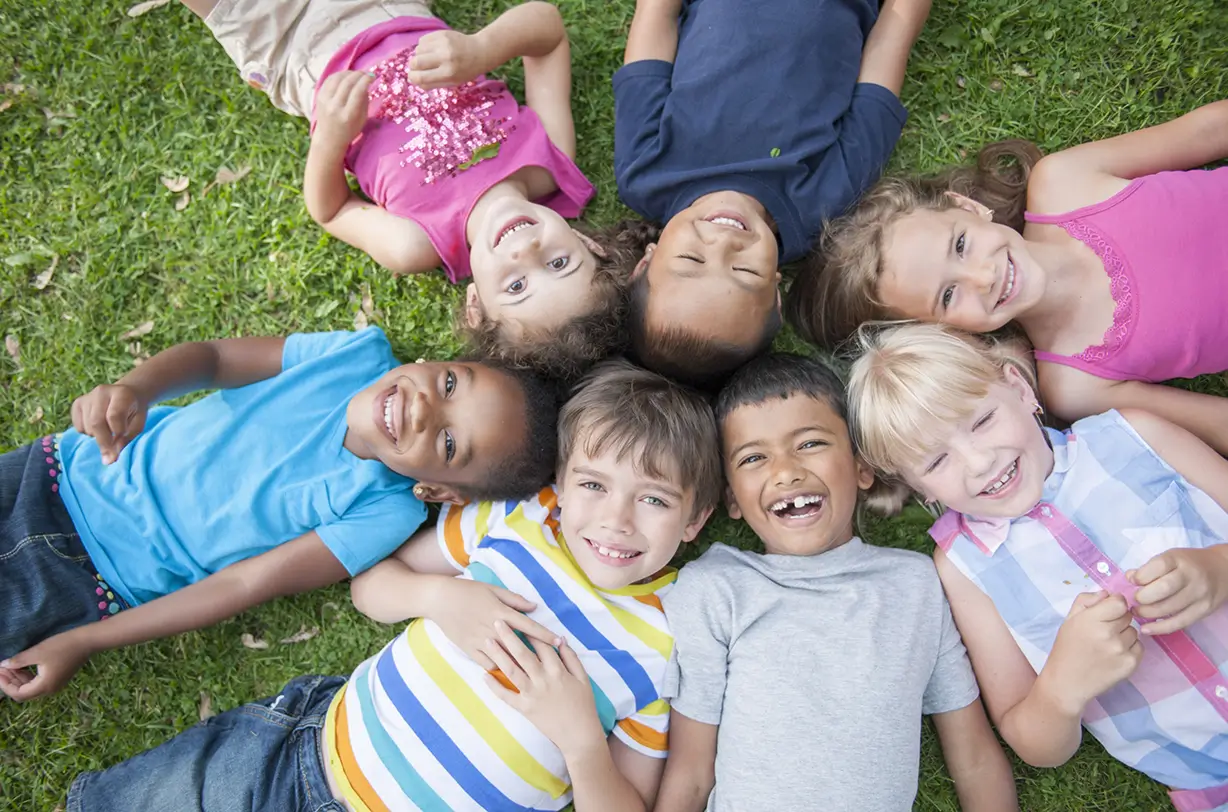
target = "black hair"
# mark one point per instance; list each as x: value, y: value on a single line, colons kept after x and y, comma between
x: 780, y: 375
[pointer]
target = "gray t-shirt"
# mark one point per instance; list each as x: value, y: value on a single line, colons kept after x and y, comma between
x: 818, y: 670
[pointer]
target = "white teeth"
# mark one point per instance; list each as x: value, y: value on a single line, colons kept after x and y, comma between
x: 727, y: 221
x: 388, y: 414
x: 1010, y: 281
x: 797, y: 502
x: 507, y: 232
x: 1005, y: 478
x: 612, y: 553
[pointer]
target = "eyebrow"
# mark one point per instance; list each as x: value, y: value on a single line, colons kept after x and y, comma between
x: 668, y: 488
x: 793, y: 434
x: 463, y: 458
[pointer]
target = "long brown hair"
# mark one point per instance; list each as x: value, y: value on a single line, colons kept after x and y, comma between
x: 836, y: 289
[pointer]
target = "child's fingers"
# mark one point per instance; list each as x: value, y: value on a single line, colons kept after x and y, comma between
x: 431, y: 78
x: 517, y: 650
x: 510, y: 598
x: 1085, y: 601
x: 571, y: 661
x: 1174, y: 623
x: 505, y: 663
x: 1110, y: 608
x: 533, y: 629
x: 1155, y: 568
x: 512, y: 698
x: 1161, y: 591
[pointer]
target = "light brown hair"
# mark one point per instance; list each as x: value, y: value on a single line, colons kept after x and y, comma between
x: 669, y: 429
x: 836, y: 290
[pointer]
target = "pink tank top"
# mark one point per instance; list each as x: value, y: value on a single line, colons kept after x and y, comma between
x: 1164, y: 244
x: 428, y: 155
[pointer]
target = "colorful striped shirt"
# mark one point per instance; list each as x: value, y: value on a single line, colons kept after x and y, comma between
x: 1109, y: 506
x: 417, y: 728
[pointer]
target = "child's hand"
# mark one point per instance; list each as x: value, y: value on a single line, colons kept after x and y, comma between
x: 1096, y: 648
x: 446, y: 59
x: 1181, y: 586
x: 552, y: 690
x: 113, y: 414
x: 341, y: 107
x: 56, y: 660
x: 469, y: 611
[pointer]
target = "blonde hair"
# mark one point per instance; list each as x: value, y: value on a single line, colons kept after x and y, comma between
x: 836, y: 289
x: 910, y: 383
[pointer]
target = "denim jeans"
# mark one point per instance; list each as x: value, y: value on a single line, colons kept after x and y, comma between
x: 47, y: 583
x: 262, y: 756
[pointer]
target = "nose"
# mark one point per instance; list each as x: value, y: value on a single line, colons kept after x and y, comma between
x: 530, y: 250
x: 419, y: 412
x: 979, y: 460
x: 616, y: 516
x: 981, y: 275
x: 787, y: 472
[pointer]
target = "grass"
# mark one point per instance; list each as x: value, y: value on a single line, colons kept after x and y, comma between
x: 111, y: 104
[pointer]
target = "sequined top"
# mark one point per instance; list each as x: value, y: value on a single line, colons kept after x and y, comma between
x: 428, y: 155
x: 1165, y: 249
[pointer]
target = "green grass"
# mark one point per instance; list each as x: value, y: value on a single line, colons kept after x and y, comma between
x: 128, y: 101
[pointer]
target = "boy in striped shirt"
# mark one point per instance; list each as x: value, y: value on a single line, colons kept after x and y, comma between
x: 531, y: 679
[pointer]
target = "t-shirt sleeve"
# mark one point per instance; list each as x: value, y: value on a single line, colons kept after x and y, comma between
x: 869, y: 131
x: 699, y: 620
x: 640, y: 92
x: 647, y: 730
x: 460, y: 528
x: 300, y: 347
x: 952, y: 684
x: 371, y: 530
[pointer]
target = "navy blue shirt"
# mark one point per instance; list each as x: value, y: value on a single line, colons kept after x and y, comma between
x: 762, y: 99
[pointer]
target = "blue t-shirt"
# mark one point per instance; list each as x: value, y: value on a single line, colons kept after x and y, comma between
x: 235, y: 474
x: 762, y: 99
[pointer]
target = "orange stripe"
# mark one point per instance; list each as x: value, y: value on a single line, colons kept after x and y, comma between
x: 502, y: 679
x: 549, y: 501
x: 652, y: 600
x: 645, y: 735
x: 454, y: 536
x: 353, y: 773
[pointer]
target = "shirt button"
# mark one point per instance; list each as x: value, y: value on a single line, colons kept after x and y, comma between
x: 1103, y: 568
x: 1046, y: 512
x: 1221, y: 692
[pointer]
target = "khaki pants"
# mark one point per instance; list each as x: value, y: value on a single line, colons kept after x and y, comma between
x: 281, y: 46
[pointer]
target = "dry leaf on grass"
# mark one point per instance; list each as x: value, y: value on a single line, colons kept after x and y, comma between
x: 14, y: 89
x: 943, y: 118
x: 995, y: 85
x: 368, y: 304
x: 226, y: 175
x: 182, y: 201
x: 253, y: 642
x: 1020, y: 70
x: 146, y: 7
x: 44, y: 279
x: 53, y: 114
x: 206, y: 707
x: 37, y: 417
x: 142, y: 329
x: 6, y: 104
x: 360, y: 320
x: 13, y: 347
x: 176, y: 185
x: 302, y: 635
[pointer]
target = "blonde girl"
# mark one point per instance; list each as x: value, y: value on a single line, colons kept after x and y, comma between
x: 1111, y: 256
x: 1086, y: 569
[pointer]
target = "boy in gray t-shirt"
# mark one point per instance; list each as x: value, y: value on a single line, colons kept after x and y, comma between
x: 802, y: 675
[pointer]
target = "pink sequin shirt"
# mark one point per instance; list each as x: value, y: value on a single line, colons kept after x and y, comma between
x: 428, y: 155
x: 1164, y: 245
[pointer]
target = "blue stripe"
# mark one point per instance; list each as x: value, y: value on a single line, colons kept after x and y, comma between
x: 572, y: 617
x: 445, y: 751
x: 411, y: 783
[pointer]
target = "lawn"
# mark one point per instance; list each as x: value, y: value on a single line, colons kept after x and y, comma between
x: 99, y: 267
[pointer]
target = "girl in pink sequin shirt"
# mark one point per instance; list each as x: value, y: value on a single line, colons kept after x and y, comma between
x: 1117, y: 271
x: 453, y: 171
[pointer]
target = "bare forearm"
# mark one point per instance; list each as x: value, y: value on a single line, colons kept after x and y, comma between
x: 685, y: 787
x: 175, y: 371
x: 884, y: 59
x: 597, y: 785
x: 391, y: 592
x: 654, y: 31
x: 529, y: 30
x: 984, y: 782
x: 1042, y: 730
x: 325, y: 189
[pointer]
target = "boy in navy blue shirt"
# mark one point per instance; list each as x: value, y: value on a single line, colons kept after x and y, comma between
x: 743, y: 125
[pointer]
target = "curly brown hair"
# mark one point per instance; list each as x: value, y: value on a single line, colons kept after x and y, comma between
x: 836, y: 288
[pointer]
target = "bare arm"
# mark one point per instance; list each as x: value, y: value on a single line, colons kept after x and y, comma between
x: 884, y: 58
x: 401, y: 586
x: 1072, y: 394
x: 982, y: 775
x: 613, y: 778
x: 654, y: 31
x: 690, y: 772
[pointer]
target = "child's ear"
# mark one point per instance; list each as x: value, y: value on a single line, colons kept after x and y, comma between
x: 695, y: 525
x: 731, y: 504
x: 970, y: 205
x: 642, y: 265
x: 473, y: 307
x: 1018, y: 383
x: 865, y: 475
x: 437, y: 492
x: 590, y: 244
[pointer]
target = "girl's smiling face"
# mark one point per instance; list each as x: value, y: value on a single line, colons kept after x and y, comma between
x: 958, y: 267
x: 994, y: 462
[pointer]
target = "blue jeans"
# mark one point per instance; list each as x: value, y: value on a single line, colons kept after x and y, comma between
x: 262, y: 756
x: 47, y: 582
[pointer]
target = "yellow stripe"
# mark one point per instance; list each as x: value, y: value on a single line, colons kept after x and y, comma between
x: 481, y: 523
x: 341, y: 761
x: 659, y: 641
x: 480, y: 716
x: 659, y: 707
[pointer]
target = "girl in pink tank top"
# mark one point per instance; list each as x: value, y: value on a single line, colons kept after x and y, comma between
x: 1117, y: 270
x: 453, y: 171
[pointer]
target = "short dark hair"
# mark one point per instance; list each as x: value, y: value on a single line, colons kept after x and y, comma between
x: 531, y: 467
x: 780, y: 375
x: 669, y: 427
x: 684, y: 356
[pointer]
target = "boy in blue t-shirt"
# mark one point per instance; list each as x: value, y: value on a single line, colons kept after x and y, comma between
x: 743, y: 126
x: 309, y: 465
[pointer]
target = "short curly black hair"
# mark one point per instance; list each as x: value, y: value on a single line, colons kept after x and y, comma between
x: 531, y: 467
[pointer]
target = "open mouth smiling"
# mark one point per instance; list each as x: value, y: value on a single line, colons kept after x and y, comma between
x: 802, y: 506
x: 1009, y: 288
x: 511, y: 228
